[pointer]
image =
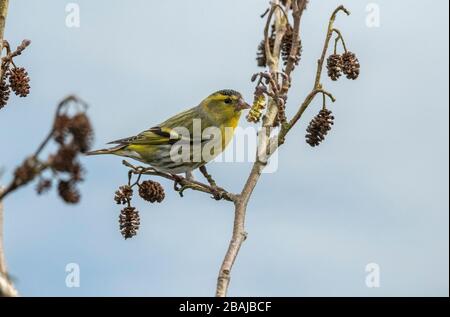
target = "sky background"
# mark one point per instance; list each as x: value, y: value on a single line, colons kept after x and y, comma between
x: 375, y: 191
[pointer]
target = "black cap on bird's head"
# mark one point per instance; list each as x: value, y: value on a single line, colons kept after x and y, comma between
x: 233, y: 97
x: 229, y: 92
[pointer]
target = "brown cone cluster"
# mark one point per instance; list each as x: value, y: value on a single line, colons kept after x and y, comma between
x: 261, y: 57
x: 77, y: 128
x: 129, y: 222
x: 347, y: 64
x: 123, y: 195
x: 286, y: 46
x: 351, y: 66
x: 13, y: 78
x: 74, y: 136
x: 151, y: 191
x: 68, y: 192
x: 81, y: 129
x: 60, y: 125
x: 334, y: 66
x: 19, y: 81
x: 64, y: 159
x: 318, y: 127
x: 129, y: 217
x: 281, y: 114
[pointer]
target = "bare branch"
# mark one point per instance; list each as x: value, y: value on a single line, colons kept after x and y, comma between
x: 339, y: 38
x: 239, y: 235
x: 3, y: 13
x: 11, y: 54
x: 298, y: 8
x: 6, y: 286
x: 181, y: 183
x: 284, y: 131
x: 267, y: 145
x: 327, y: 42
x: 317, y: 86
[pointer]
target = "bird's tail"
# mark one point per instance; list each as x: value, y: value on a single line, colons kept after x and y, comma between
x: 114, y: 150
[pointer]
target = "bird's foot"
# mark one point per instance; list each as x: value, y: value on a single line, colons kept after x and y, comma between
x: 208, y: 176
x: 181, y: 184
x: 217, y: 192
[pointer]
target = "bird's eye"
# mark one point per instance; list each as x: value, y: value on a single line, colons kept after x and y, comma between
x: 228, y: 101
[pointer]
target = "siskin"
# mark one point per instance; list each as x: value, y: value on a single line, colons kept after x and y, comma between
x: 204, y: 130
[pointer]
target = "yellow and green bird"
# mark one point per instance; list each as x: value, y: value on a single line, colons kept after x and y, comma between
x: 204, y: 127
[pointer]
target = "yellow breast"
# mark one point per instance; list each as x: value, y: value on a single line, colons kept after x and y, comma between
x: 227, y: 129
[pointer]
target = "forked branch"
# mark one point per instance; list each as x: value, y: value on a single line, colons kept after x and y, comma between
x: 281, y: 42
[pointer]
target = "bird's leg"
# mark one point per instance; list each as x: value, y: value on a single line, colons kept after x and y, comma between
x: 177, y: 184
x: 208, y: 176
x: 180, y: 184
x: 190, y: 176
x: 216, y: 190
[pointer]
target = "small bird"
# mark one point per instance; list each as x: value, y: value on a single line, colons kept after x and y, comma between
x: 159, y: 146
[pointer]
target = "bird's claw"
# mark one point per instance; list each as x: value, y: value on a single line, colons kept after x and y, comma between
x: 181, y: 184
x: 179, y: 187
x: 217, y: 193
x: 183, y: 188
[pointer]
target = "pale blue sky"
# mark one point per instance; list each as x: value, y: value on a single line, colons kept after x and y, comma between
x: 375, y: 191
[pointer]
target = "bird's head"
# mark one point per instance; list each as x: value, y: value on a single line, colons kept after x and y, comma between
x: 225, y: 104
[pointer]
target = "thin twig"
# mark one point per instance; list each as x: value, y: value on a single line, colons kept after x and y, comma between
x: 317, y: 86
x: 273, y: 103
x: 282, y: 10
x: 268, y: 50
x: 63, y: 103
x: 3, y: 13
x: 18, y: 51
x: 327, y: 42
x: 341, y: 38
x: 217, y: 192
x: 298, y: 8
x: 305, y: 105
x: 265, y: 13
x: 6, y: 286
x: 16, y: 183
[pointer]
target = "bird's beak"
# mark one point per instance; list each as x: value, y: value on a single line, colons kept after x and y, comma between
x: 242, y: 105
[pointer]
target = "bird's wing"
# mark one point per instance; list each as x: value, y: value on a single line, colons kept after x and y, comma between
x: 152, y: 136
x: 168, y: 132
